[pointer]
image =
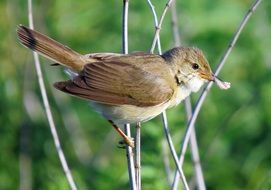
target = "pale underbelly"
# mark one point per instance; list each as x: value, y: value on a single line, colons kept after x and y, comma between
x: 124, y: 114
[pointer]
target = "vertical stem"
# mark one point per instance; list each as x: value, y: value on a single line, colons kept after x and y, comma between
x: 207, y: 88
x: 125, y: 26
x: 129, y: 151
x: 130, y: 160
x: 158, y: 27
x: 172, y: 149
x: 188, y: 110
x: 163, y: 115
x: 48, y: 110
x: 196, y: 161
x: 138, y: 157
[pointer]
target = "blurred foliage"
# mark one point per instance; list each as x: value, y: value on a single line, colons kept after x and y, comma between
x: 234, y: 126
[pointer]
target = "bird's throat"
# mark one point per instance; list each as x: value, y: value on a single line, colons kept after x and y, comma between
x: 184, y: 90
x: 195, y: 83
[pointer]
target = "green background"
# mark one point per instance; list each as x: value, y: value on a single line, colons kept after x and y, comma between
x: 233, y: 128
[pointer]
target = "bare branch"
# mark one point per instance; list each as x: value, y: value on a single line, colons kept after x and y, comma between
x: 48, y: 110
x: 207, y: 88
x: 196, y: 161
x: 164, y: 116
x: 173, y: 151
x: 188, y: 110
x: 158, y: 27
x: 125, y: 26
x: 130, y: 160
x: 138, y: 157
x: 167, y: 168
x: 129, y: 151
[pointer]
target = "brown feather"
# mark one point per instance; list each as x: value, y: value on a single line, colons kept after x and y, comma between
x: 119, y: 83
x: 51, y: 48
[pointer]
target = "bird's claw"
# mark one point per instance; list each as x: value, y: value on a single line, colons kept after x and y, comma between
x: 126, y: 141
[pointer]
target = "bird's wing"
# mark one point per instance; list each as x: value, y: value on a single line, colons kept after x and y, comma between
x: 119, y: 83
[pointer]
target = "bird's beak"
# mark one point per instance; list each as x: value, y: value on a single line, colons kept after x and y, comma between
x: 211, y: 77
x: 207, y: 76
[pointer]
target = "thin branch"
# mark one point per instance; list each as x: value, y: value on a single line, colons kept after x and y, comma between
x: 188, y: 109
x: 196, y: 161
x: 130, y: 160
x: 167, y: 166
x: 164, y: 116
x: 48, y: 110
x: 173, y: 151
x: 125, y: 26
x: 158, y: 27
x: 138, y: 157
x: 129, y: 151
x: 207, y: 88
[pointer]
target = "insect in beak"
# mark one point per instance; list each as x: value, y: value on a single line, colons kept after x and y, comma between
x: 207, y: 76
x: 221, y: 84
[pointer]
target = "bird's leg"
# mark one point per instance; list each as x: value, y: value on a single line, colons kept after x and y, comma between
x: 126, y: 140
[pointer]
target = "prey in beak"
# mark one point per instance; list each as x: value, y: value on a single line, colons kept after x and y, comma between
x: 211, y: 77
x: 207, y: 76
x: 222, y: 84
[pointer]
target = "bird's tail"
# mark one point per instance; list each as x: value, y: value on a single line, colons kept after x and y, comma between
x: 50, y: 48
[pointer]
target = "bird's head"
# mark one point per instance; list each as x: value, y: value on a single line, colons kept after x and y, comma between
x: 190, y: 67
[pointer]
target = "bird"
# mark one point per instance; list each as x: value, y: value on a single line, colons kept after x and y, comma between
x: 126, y: 88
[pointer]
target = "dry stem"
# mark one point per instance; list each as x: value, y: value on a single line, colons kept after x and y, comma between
x: 158, y: 27
x: 129, y: 151
x: 207, y: 88
x: 188, y: 110
x: 48, y: 109
x: 164, y: 117
x: 138, y: 157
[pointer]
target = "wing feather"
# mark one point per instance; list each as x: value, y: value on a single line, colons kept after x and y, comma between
x: 119, y: 83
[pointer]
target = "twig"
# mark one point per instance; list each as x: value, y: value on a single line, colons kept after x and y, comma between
x: 207, y: 88
x: 188, y: 109
x: 130, y: 160
x: 173, y: 151
x: 125, y: 26
x: 48, y: 110
x: 129, y: 151
x: 138, y: 157
x: 196, y: 161
x: 158, y: 27
x: 164, y: 117
x: 165, y: 156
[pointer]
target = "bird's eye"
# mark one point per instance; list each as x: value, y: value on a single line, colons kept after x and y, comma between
x: 195, y: 66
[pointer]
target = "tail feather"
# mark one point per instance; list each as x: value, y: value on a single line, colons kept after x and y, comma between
x: 50, y: 48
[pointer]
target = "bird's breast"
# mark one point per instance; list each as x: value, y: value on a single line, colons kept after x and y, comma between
x: 123, y: 114
x: 181, y: 93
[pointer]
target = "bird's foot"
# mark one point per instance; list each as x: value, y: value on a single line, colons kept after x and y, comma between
x: 126, y: 141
